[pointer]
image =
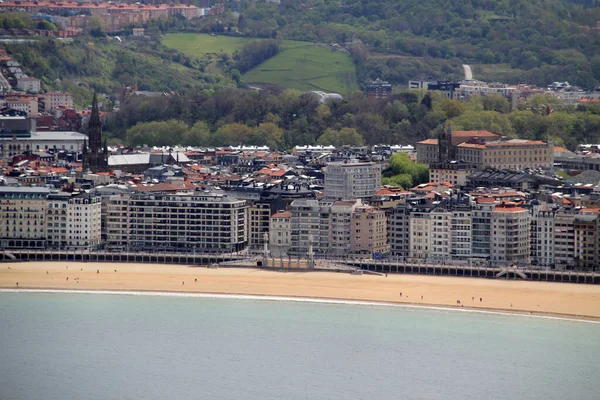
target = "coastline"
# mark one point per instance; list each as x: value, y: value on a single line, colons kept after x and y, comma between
x: 526, y: 298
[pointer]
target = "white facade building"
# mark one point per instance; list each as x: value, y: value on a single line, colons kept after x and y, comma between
x: 280, y: 233
x: 28, y: 84
x: 55, y: 100
x: 186, y: 222
x: 352, y: 180
x: 510, y: 235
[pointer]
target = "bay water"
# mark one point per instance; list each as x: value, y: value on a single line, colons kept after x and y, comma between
x: 123, y: 346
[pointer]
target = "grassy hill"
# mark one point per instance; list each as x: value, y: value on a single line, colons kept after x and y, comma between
x: 197, y: 45
x: 299, y: 65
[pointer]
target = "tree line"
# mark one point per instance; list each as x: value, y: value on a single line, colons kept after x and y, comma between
x: 288, y: 118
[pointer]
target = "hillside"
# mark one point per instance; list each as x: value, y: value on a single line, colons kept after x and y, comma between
x: 299, y: 65
x: 106, y: 63
x: 540, y: 40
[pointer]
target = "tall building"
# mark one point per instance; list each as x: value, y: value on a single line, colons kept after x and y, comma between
x: 341, y: 226
x: 280, y: 231
x: 481, y: 228
x: 73, y: 220
x: 22, y: 217
x: 352, y: 180
x: 399, y: 231
x: 259, y: 215
x: 182, y: 222
x: 37, y: 217
x: 542, y: 234
x: 510, y: 235
x: 368, y: 231
x: 95, y: 158
x: 309, y: 224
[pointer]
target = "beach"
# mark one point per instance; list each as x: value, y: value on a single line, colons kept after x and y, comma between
x: 561, y: 299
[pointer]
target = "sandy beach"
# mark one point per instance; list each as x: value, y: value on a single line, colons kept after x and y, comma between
x: 506, y: 295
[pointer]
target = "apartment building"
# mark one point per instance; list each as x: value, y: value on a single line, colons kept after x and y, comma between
x: 259, y: 216
x: 56, y: 100
x: 440, y: 234
x: 587, y: 236
x: 450, y: 171
x: 510, y: 235
x: 461, y: 233
x: 399, y: 231
x: 368, y: 231
x: 309, y: 223
x: 29, y: 85
x: 481, y: 228
x: 352, y: 180
x: 73, y: 220
x: 341, y: 227
x: 22, y: 217
x: 186, y: 222
x: 564, y: 238
x: 419, y: 226
x: 28, y: 105
x: 38, y: 217
x: 542, y: 234
x: 280, y: 232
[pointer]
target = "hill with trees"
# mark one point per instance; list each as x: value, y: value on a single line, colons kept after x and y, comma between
x: 538, y: 41
x: 288, y: 118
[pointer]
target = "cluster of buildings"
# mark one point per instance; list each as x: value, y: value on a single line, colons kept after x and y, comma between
x: 490, y: 200
x: 72, y: 15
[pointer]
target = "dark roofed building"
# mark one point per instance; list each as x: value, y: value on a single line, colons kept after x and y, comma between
x: 491, y: 178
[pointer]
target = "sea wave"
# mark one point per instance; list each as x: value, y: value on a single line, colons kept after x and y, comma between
x: 299, y: 300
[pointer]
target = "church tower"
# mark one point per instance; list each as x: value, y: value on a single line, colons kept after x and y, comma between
x: 445, y: 144
x: 95, y: 158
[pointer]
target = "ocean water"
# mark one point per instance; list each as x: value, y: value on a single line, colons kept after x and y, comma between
x: 115, y: 346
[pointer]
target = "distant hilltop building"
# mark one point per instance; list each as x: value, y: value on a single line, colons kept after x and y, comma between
x: 379, y: 89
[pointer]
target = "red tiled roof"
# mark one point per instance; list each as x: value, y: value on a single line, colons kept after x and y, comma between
x: 428, y: 141
x: 482, y: 133
x: 282, y: 214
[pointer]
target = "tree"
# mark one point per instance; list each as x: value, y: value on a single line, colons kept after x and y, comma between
x: 231, y: 134
x: 595, y: 64
x: 496, y: 102
x: 198, y: 135
x: 345, y: 136
x: 404, y: 172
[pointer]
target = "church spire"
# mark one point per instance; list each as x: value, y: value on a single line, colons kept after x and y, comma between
x: 95, y: 115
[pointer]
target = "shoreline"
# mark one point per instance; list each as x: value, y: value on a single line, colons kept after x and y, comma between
x: 526, y: 298
x: 313, y: 300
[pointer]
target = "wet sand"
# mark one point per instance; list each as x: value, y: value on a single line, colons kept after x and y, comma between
x: 563, y: 299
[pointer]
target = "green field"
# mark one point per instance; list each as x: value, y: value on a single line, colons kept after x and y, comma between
x: 197, y: 45
x: 300, y: 65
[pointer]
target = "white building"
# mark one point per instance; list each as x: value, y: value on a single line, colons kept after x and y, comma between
x: 25, y: 104
x: 22, y: 217
x: 28, y: 84
x: 542, y: 235
x: 510, y: 235
x: 73, y: 220
x: 309, y: 224
x: 56, y: 100
x: 419, y: 225
x: 341, y: 227
x: 280, y: 232
x: 38, y: 217
x: 352, y: 180
x: 41, y: 141
x: 186, y: 222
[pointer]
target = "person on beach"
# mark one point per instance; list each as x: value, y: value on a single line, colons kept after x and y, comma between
x: 480, y: 299
x: 97, y: 271
x: 17, y: 284
x: 67, y: 278
x: 400, y: 294
x: 182, y: 283
x: 196, y: 280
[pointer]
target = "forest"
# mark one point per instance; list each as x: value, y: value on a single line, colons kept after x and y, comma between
x: 288, y: 118
x: 534, y: 41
